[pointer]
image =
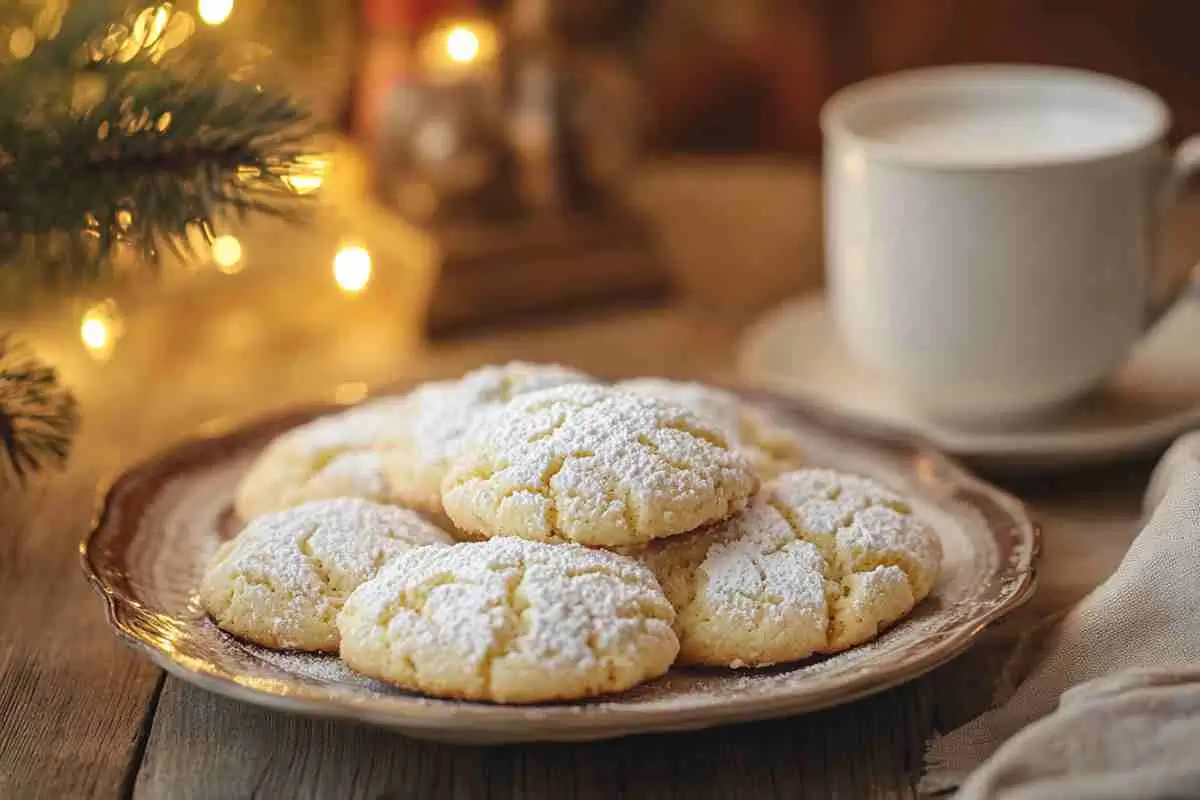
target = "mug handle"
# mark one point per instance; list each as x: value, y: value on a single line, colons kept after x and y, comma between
x: 1184, y: 166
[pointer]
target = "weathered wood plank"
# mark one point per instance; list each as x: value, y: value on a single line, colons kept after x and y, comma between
x: 72, y: 698
x: 206, y: 746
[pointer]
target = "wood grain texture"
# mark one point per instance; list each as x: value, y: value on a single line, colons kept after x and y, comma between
x: 72, y: 698
x: 205, y: 746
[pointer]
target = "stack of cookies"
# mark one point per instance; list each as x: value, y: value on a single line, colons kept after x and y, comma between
x: 526, y: 534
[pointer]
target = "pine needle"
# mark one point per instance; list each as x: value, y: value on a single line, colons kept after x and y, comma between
x: 106, y: 144
x: 38, y: 418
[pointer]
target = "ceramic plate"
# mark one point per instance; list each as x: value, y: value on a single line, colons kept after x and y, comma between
x: 794, y: 350
x: 162, y: 521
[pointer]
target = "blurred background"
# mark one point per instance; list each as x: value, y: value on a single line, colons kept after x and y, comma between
x: 750, y: 75
x: 500, y: 166
x: 698, y: 115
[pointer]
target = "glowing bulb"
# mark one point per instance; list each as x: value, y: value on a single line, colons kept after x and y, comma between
x: 303, y: 184
x: 352, y: 269
x: 462, y: 44
x: 214, y: 12
x: 100, y: 329
x: 227, y: 254
x: 94, y: 333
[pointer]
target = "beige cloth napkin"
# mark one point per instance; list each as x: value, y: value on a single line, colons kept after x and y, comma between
x: 1112, y: 710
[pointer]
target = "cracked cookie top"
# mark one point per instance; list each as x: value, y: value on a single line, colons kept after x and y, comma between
x: 333, y: 456
x: 594, y: 465
x: 510, y: 621
x: 818, y: 562
x: 281, y: 581
x: 393, y: 450
x: 435, y: 417
x: 769, y: 446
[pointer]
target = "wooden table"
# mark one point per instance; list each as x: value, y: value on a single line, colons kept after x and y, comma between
x: 83, y: 715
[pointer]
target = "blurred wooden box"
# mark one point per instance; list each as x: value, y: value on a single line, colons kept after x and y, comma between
x: 489, y: 272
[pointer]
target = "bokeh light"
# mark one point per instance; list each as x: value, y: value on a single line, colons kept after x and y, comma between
x: 455, y: 49
x: 227, y: 254
x: 99, y: 330
x: 214, y: 12
x: 352, y: 269
x: 462, y: 44
x: 309, y: 174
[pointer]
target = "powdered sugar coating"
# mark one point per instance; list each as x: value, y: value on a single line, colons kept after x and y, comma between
x: 771, y: 448
x: 436, y: 416
x: 594, y: 465
x: 282, y: 580
x: 333, y: 456
x: 393, y: 450
x: 818, y: 562
x: 510, y: 621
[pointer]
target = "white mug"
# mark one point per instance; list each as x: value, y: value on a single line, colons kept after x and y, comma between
x: 990, y: 231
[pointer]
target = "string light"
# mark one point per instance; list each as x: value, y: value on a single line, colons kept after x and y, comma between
x: 99, y: 330
x: 454, y: 50
x: 352, y: 269
x: 462, y: 44
x: 214, y: 12
x: 227, y: 254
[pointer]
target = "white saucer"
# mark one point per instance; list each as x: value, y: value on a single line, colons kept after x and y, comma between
x: 795, y: 350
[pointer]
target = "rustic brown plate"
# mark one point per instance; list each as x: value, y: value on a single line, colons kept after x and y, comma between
x: 161, y: 522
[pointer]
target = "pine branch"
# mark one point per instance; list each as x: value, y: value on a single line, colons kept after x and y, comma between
x: 38, y: 418
x: 106, y: 145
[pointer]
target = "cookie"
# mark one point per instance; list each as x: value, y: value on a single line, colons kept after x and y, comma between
x: 510, y: 621
x: 281, y: 582
x: 435, y: 417
x: 771, y: 448
x: 333, y: 456
x: 818, y: 562
x: 594, y: 465
x: 393, y: 450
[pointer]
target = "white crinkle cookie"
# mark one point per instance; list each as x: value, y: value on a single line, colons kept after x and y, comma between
x: 282, y: 580
x: 769, y: 446
x: 594, y: 465
x: 390, y: 451
x: 510, y: 621
x: 437, y: 415
x: 818, y: 562
x: 333, y: 456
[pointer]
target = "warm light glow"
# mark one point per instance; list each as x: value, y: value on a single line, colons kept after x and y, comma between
x: 227, y: 254
x: 99, y: 330
x: 455, y: 50
x: 309, y: 174
x: 94, y: 333
x: 149, y: 26
x: 214, y: 12
x: 352, y: 269
x: 462, y: 44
